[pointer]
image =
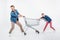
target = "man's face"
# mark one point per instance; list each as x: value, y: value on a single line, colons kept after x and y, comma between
x: 43, y: 14
x: 13, y: 8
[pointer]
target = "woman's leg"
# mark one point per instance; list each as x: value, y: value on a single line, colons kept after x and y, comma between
x: 19, y: 24
x: 45, y: 26
x: 51, y: 26
x: 12, y: 27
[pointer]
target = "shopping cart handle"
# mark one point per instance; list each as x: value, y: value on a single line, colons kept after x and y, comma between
x: 39, y: 19
x: 23, y: 16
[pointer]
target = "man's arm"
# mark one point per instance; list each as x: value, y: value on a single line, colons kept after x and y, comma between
x: 41, y: 17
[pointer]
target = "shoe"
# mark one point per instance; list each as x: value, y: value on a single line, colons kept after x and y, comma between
x: 9, y: 32
x: 24, y: 33
x: 37, y: 31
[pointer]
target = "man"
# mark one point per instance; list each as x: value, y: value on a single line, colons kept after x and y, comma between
x: 48, y: 21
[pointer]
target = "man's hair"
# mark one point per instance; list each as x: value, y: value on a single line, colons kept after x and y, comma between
x: 42, y: 14
x: 12, y: 6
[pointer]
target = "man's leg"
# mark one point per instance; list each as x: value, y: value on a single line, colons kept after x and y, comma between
x: 12, y: 27
x: 51, y: 26
x: 45, y: 26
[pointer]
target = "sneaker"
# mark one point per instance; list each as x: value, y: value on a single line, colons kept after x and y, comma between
x: 24, y: 33
x: 37, y: 31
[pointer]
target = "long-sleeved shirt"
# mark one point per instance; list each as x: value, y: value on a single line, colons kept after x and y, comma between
x: 47, y: 18
x: 14, y: 16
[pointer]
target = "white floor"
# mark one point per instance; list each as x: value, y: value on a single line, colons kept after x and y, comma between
x: 31, y: 35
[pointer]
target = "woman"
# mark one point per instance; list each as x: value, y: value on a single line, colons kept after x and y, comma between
x: 15, y: 20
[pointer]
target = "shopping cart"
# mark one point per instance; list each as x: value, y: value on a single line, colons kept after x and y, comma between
x: 32, y: 22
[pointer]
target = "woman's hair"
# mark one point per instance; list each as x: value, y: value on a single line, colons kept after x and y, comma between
x: 12, y: 6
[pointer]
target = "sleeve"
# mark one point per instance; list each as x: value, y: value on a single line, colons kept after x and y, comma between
x: 42, y: 17
x: 12, y: 14
x: 17, y: 12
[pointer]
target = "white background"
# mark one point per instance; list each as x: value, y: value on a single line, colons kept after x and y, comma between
x: 31, y: 9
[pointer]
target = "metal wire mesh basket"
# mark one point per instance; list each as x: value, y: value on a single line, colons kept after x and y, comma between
x: 31, y: 22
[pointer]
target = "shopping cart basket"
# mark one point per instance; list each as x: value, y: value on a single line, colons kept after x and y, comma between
x: 31, y: 22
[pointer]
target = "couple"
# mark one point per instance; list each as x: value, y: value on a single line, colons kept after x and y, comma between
x: 15, y: 20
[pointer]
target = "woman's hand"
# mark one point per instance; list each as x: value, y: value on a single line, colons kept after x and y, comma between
x: 20, y: 15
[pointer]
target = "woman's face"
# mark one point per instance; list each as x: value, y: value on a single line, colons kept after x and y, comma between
x: 12, y: 8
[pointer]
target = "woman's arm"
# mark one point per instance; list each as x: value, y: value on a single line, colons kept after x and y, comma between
x: 20, y: 15
x: 12, y: 14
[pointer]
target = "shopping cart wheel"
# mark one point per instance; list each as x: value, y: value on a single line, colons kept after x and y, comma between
x: 24, y: 33
x: 37, y: 31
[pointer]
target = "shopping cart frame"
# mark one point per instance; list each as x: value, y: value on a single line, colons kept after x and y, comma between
x: 26, y: 24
